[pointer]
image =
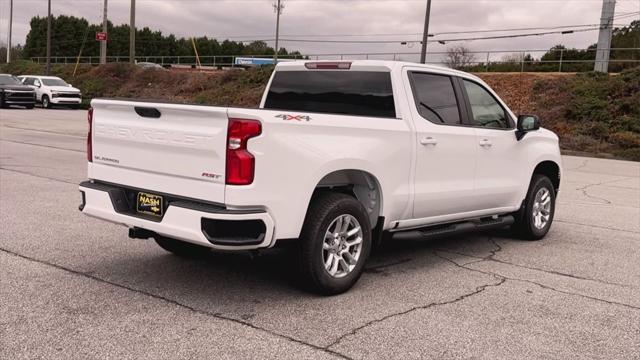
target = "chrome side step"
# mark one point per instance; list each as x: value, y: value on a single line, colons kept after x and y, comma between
x: 439, y: 231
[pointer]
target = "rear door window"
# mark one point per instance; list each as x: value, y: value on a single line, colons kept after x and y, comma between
x: 357, y: 93
x: 435, y: 98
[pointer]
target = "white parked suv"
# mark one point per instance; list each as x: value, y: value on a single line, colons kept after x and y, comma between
x: 338, y: 156
x: 51, y: 90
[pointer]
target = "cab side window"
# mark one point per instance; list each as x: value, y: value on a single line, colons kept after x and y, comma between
x: 28, y: 81
x: 435, y: 98
x: 486, y: 110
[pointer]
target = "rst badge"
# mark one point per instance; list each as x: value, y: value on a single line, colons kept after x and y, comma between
x: 288, y: 117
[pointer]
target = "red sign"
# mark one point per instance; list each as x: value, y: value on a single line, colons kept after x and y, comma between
x: 101, y: 36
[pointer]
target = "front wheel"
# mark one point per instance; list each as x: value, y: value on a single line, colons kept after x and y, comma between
x: 46, y: 103
x: 534, y: 220
x: 335, y: 243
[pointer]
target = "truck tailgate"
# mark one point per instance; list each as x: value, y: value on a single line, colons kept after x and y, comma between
x: 168, y: 148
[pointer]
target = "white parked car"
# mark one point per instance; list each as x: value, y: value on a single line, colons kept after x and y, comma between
x: 51, y: 90
x: 338, y: 156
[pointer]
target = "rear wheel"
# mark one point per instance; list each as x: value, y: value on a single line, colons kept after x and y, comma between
x: 46, y: 103
x: 534, y: 220
x: 334, y: 244
x: 181, y: 248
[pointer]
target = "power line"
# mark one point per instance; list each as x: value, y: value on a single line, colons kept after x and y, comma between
x: 440, y: 41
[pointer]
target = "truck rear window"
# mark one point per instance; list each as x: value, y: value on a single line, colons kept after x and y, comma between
x: 358, y: 93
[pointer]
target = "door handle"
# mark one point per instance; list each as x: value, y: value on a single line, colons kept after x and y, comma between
x: 428, y: 141
x: 486, y: 143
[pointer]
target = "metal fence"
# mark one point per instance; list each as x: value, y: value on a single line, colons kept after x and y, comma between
x: 494, y: 60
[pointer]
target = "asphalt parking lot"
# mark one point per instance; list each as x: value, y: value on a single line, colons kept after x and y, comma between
x: 75, y: 287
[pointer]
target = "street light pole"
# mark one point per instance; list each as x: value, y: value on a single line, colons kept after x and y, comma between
x: 604, y: 39
x: 103, y: 44
x: 278, y: 8
x: 132, y: 33
x: 10, y: 28
x: 48, y: 67
x: 425, y: 35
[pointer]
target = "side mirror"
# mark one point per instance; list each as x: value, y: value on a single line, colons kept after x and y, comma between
x: 527, y: 123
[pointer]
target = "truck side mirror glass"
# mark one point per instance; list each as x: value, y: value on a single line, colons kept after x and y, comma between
x: 527, y: 123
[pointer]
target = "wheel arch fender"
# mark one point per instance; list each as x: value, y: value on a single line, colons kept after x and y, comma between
x: 549, y: 168
x: 355, y: 178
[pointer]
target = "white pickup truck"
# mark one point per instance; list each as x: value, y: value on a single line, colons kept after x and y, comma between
x: 338, y: 156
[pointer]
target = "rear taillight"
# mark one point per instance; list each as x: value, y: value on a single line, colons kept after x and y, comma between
x: 240, y: 162
x: 89, y: 135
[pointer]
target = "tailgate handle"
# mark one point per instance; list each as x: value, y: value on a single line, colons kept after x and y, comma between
x: 148, y: 112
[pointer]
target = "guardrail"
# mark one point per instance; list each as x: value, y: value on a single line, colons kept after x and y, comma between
x: 477, y: 60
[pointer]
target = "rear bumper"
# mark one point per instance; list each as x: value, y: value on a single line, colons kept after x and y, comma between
x: 202, y: 224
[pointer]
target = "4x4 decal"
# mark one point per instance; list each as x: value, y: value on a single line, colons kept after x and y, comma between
x: 287, y: 117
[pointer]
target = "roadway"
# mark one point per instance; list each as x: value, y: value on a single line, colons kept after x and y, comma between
x: 76, y: 287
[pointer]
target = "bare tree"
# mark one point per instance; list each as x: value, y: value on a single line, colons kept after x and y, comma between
x: 459, y: 57
x: 512, y: 58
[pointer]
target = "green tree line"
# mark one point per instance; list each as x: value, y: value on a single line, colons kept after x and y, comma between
x: 71, y: 34
x: 575, y: 60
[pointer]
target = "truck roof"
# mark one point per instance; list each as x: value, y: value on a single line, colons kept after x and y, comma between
x: 41, y: 76
x: 375, y: 65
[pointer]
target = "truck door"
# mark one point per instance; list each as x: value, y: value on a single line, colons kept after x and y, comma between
x: 498, y: 183
x: 446, y: 148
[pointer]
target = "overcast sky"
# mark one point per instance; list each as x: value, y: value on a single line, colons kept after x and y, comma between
x: 366, y: 19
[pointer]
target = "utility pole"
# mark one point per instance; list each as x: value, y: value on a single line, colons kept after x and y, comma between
x: 425, y: 35
x: 604, y: 39
x: 48, y: 67
x: 10, y: 28
x: 278, y: 7
x: 103, y: 44
x: 132, y: 33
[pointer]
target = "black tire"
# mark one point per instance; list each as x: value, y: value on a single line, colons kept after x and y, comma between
x: 324, y: 209
x: 2, y: 104
x: 181, y: 248
x: 525, y: 227
x: 46, y: 103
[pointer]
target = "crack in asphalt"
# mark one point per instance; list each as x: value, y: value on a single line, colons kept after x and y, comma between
x: 492, y: 254
x: 38, y: 176
x: 177, y: 303
x: 44, y: 131
x: 536, y: 283
x: 477, y: 291
x: 596, y: 226
x: 495, y: 251
x: 41, y: 145
x: 583, y: 165
x: 602, y: 200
